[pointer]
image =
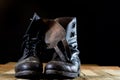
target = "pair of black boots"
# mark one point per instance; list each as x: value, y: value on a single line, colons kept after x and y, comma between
x: 43, y: 36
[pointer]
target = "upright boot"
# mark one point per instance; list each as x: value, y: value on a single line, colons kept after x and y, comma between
x: 65, y: 62
x: 29, y: 65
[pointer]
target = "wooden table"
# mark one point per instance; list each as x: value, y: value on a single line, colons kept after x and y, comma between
x: 88, y: 72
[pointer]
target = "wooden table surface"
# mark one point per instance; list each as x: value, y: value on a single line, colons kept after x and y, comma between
x: 88, y: 72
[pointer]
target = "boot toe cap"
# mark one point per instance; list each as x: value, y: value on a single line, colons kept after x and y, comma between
x: 61, y: 66
x: 28, y: 65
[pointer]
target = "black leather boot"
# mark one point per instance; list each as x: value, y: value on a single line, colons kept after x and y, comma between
x: 65, y: 62
x: 29, y: 65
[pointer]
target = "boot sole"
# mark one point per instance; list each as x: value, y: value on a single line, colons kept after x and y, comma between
x: 28, y: 74
x: 55, y: 74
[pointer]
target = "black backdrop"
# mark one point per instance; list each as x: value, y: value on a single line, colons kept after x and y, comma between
x: 98, y: 27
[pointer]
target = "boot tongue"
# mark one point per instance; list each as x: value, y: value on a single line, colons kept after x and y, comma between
x: 54, y: 34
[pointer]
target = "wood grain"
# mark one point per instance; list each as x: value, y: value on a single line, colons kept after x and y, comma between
x: 88, y: 72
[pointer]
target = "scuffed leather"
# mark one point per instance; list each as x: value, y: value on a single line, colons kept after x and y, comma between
x: 62, y: 66
x: 31, y: 63
x: 71, y: 65
x: 51, y: 33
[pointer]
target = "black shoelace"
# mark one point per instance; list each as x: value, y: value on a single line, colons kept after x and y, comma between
x: 29, y: 46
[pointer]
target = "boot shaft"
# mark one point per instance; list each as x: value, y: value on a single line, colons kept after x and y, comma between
x: 70, y: 26
x: 52, y: 32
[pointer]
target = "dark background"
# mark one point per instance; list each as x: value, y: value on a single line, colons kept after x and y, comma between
x: 98, y: 27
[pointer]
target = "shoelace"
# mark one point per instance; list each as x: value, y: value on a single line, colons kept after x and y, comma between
x: 29, y: 46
